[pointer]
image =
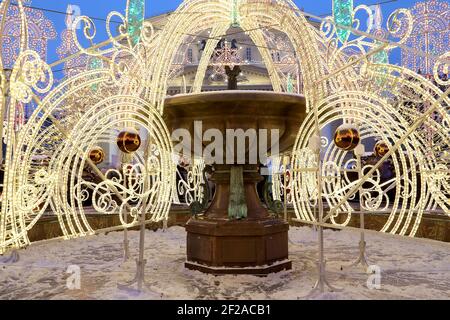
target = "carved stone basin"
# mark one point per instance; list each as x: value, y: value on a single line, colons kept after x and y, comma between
x: 237, y: 234
x: 238, y: 110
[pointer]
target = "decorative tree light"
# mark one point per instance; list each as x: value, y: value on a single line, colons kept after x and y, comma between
x: 135, y: 19
x: 343, y: 15
x: 431, y: 33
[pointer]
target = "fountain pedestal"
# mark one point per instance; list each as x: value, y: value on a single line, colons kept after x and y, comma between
x: 257, y: 244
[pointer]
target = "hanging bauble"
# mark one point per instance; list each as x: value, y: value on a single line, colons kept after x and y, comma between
x: 381, y: 148
x: 347, y: 137
x: 97, y: 155
x: 128, y: 140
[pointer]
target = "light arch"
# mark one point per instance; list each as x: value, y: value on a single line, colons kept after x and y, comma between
x: 198, y: 15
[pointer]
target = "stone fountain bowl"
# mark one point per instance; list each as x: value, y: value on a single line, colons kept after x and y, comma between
x: 238, y: 110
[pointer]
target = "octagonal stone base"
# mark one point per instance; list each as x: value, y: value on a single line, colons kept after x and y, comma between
x: 256, y: 247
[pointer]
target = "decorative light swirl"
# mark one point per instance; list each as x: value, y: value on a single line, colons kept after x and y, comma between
x: 89, y: 33
x: 328, y: 29
x: 357, y: 22
x: 406, y: 206
x: 400, y: 25
x: 130, y: 186
x: 34, y: 195
x: 148, y: 33
x: 192, y: 187
x: 121, y: 28
x: 442, y: 65
x: 126, y: 67
x: 30, y: 73
x: 144, y: 182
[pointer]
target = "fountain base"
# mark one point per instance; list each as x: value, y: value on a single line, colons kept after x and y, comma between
x: 256, y: 247
x: 255, y: 244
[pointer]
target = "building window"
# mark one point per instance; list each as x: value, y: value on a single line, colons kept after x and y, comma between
x: 248, y: 54
x: 190, y: 56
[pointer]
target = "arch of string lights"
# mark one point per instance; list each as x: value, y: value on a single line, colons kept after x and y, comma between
x: 431, y: 32
x: 123, y: 100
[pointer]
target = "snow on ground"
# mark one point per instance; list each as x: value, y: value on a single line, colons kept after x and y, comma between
x: 410, y: 269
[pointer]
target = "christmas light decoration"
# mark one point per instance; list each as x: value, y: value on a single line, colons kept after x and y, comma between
x: 431, y: 33
x: 45, y: 159
x: 68, y: 48
x: 97, y: 155
x: 129, y: 140
x: 225, y: 56
x: 135, y: 19
x: 343, y: 16
x: 55, y: 146
x: 191, y: 185
x: 24, y: 27
x: 381, y: 148
x: 382, y: 56
x: 235, y: 14
x: 346, y: 137
x: 284, y: 61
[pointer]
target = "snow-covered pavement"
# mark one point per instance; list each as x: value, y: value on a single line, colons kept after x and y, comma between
x: 410, y: 269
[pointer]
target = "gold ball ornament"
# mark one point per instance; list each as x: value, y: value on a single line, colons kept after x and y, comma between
x: 347, y: 137
x: 381, y: 148
x: 97, y: 155
x: 128, y: 140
